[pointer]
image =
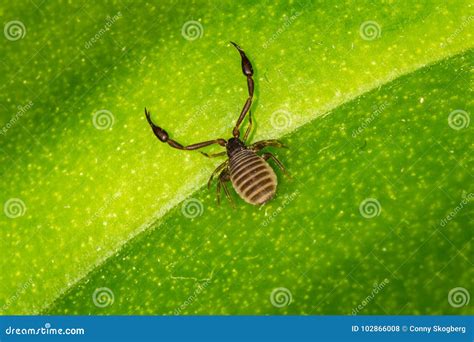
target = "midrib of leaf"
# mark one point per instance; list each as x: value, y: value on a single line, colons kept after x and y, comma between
x: 197, y: 181
x: 157, y: 217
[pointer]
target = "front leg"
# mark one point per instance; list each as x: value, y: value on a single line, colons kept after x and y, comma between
x: 220, y: 154
x: 249, y: 127
x: 248, y: 72
x: 163, y: 136
x: 257, y: 146
x: 221, y: 167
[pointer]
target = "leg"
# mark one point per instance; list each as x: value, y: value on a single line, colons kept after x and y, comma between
x: 218, y: 193
x: 214, y: 154
x: 224, y: 177
x: 216, y: 171
x: 249, y: 127
x: 164, y: 137
x: 268, y: 155
x: 248, y: 72
x: 257, y: 146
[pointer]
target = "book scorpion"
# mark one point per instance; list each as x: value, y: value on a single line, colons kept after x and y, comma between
x: 252, y: 177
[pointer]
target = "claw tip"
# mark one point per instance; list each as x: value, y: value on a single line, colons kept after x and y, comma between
x: 236, y: 46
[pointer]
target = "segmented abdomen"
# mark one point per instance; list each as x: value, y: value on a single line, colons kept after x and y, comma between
x: 252, y: 177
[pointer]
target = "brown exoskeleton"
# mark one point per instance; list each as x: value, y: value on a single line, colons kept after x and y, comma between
x: 251, y: 176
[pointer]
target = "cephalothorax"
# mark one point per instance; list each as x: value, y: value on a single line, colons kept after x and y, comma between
x: 251, y: 176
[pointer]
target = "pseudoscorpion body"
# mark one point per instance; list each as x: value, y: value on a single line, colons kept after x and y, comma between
x: 252, y: 177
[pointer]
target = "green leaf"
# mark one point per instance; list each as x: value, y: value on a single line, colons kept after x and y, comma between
x: 363, y: 212
x: 85, y: 192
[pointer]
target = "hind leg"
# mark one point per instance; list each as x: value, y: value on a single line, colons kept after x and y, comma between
x: 224, y: 178
x: 268, y: 155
